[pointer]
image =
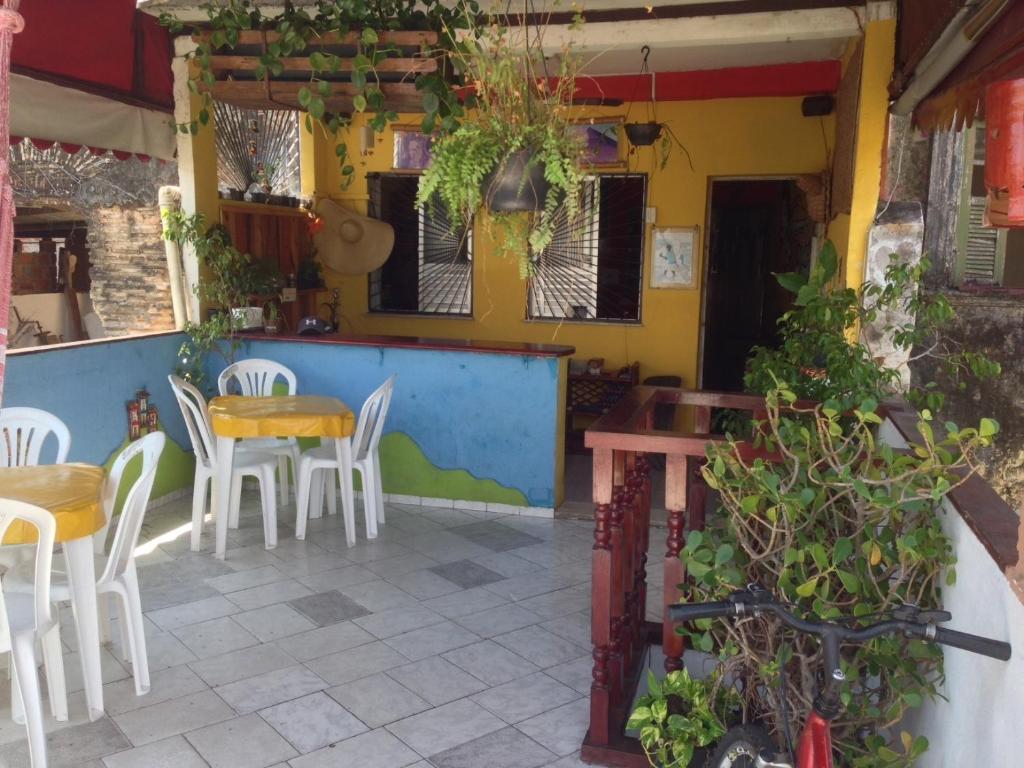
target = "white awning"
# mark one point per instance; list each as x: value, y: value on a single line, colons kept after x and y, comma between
x: 42, y: 110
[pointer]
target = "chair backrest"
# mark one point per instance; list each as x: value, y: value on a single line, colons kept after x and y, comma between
x: 126, y: 537
x: 371, y: 420
x: 19, y: 513
x: 197, y: 419
x: 23, y: 432
x: 255, y: 378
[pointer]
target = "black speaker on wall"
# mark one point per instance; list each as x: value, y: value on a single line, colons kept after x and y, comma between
x: 817, y: 106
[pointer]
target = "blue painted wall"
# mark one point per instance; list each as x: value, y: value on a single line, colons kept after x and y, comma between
x: 492, y: 415
x: 88, y: 386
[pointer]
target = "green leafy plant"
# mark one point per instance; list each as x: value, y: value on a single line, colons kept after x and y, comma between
x: 839, y: 523
x: 230, y: 279
x: 831, y: 518
x: 818, y: 360
x: 679, y: 714
x: 299, y: 32
x: 520, y: 101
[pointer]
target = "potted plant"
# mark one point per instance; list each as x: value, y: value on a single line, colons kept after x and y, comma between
x: 517, y: 151
x: 837, y: 521
x: 680, y: 716
x: 232, y: 279
x: 270, y: 318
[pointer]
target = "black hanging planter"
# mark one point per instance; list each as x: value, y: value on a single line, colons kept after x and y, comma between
x: 642, y: 134
x: 517, y: 185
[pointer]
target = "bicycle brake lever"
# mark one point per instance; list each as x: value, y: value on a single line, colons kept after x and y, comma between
x: 910, y: 612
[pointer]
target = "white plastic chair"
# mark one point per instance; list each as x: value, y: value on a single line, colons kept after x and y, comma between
x: 365, y: 460
x: 23, y: 432
x: 258, y: 464
x: 256, y: 378
x: 117, y: 575
x: 27, y: 619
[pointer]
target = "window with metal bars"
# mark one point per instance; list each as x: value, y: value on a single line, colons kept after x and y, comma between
x: 430, y: 270
x: 593, y: 268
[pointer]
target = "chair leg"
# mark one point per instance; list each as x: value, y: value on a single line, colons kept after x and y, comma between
x: 316, y: 494
x: 282, y: 474
x: 23, y: 651
x: 369, y: 500
x: 199, y: 496
x: 268, y: 502
x: 378, y: 486
x: 235, y: 505
x: 303, y: 481
x: 296, y: 458
x: 122, y: 624
x: 103, y: 616
x: 331, y: 491
x: 132, y: 613
x: 56, y: 684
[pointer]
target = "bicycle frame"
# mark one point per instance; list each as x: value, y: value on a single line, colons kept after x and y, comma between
x: 815, y: 750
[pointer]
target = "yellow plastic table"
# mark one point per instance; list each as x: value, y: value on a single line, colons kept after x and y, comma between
x: 235, y: 417
x: 73, y: 493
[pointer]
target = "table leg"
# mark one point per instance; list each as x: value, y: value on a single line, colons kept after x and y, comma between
x: 348, y: 505
x: 222, y: 492
x: 82, y: 581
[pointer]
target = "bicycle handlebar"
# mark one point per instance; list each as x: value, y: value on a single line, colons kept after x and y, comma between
x: 746, y: 602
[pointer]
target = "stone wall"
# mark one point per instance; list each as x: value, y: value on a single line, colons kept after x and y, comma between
x: 993, y: 325
x: 130, y: 287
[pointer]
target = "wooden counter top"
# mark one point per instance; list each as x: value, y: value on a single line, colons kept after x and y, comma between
x: 420, y: 342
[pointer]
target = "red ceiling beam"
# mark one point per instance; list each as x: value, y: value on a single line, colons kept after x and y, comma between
x: 802, y: 79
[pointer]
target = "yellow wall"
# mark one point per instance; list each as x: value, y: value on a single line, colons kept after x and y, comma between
x: 727, y: 137
x: 850, y: 232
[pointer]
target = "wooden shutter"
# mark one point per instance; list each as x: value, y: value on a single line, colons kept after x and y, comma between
x: 982, y: 247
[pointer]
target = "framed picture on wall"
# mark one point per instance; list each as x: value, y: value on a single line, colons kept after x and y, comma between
x: 602, y: 142
x: 673, y: 255
x: 412, y: 149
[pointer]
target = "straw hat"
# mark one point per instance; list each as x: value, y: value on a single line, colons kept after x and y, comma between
x: 349, y: 243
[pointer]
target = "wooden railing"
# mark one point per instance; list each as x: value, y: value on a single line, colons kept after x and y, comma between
x: 621, y: 441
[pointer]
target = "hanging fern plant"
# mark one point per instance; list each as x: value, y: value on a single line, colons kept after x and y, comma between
x: 519, y: 107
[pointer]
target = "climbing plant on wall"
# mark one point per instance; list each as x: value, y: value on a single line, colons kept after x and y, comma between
x: 352, y: 56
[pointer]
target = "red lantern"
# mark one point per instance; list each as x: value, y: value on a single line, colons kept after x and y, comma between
x: 1004, y: 152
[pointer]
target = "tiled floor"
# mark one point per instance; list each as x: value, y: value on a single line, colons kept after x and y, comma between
x: 455, y: 640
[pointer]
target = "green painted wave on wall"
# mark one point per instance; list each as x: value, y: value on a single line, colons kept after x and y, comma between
x: 406, y: 470
x: 175, y: 471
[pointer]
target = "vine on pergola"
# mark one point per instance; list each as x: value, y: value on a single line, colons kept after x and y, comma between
x: 317, y: 41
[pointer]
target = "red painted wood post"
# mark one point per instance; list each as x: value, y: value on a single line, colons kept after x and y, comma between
x: 676, y: 482
x: 600, y: 599
x: 618, y: 599
x: 629, y: 558
x: 643, y: 529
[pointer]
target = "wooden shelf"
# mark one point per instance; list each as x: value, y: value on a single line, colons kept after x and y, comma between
x: 258, y: 94
x: 236, y: 83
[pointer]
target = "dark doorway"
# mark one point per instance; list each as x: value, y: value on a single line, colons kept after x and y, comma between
x: 756, y: 228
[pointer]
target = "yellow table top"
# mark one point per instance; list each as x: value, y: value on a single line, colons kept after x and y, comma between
x: 281, y: 416
x: 71, y: 492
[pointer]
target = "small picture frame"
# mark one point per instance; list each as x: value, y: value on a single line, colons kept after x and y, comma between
x: 412, y: 150
x: 673, y: 257
x: 602, y: 143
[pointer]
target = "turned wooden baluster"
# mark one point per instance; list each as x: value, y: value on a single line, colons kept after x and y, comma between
x: 643, y: 539
x: 618, y: 598
x: 601, y: 598
x: 697, y: 500
x: 631, y: 498
x: 676, y: 484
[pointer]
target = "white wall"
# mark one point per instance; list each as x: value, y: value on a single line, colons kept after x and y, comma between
x: 981, y: 721
x: 50, y: 309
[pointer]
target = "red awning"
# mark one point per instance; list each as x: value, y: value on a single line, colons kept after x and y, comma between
x: 101, y: 46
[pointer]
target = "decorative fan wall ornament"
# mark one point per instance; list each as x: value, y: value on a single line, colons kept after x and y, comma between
x: 257, y: 146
